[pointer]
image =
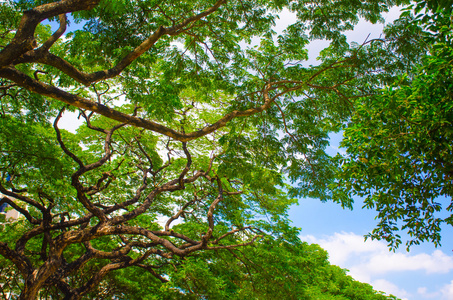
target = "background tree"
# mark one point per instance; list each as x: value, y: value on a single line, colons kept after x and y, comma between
x: 268, y: 269
x: 399, y: 141
x: 191, y: 129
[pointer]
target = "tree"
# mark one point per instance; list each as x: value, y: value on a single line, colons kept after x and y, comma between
x: 399, y: 141
x: 190, y: 133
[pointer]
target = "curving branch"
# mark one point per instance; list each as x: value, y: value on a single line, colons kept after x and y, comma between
x: 60, y: 141
x: 150, y: 269
x: 24, y: 39
x: 186, y: 168
x: 47, y: 90
x: 60, y: 31
x: 24, y: 212
x: 44, y: 57
x: 83, y: 192
x: 22, y: 263
x: 210, y: 214
x: 231, y: 232
x: 22, y: 198
x: 177, y: 215
x: 97, y: 278
x: 31, y: 84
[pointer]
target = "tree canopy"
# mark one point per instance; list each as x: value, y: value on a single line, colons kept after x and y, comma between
x: 201, y: 126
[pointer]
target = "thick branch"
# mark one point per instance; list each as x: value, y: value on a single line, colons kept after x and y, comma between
x: 50, y: 91
x: 87, y: 79
x: 67, y: 269
x: 20, y: 261
x: 97, y: 278
x: 24, y: 39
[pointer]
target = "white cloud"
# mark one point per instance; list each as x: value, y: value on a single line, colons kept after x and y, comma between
x: 389, y: 288
x: 350, y: 249
x: 447, y: 291
x: 423, y: 291
x: 437, y: 262
x: 343, y: 246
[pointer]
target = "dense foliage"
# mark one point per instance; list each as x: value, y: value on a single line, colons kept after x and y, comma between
x: 196, y: 115
x: 400, y: 141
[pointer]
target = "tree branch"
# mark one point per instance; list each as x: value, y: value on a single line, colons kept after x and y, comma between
x: 47, y: 90
x: 22, y: 263
x: 24, y: 39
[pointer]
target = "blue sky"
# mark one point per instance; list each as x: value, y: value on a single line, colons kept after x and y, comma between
x: 423, y: 273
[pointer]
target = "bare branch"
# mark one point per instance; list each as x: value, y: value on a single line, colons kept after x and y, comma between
x: 46, y: 46
x: 60, y: 141
x: 154, y: 273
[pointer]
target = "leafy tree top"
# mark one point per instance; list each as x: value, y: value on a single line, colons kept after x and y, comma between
x: 191, y: 130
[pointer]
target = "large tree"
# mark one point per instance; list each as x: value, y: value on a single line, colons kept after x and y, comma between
x: 196, y: 114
